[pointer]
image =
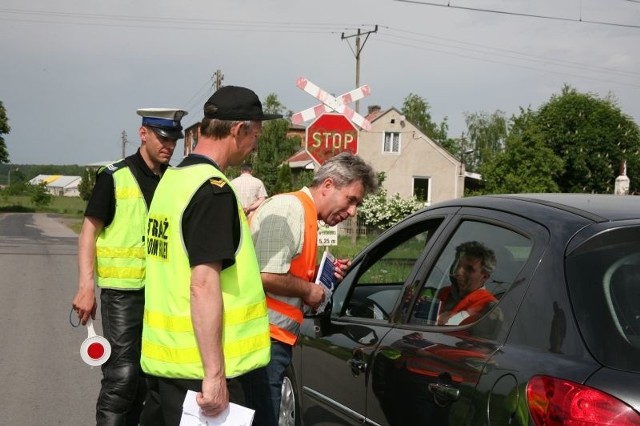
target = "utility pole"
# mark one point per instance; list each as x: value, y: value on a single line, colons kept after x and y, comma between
x: 217, y: 79
x: 123, y: 141
x: 357, y: 52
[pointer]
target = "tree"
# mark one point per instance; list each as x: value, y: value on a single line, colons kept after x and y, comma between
x: 593, y: 136
x: 487, y: 133
x: 4, y: 129
x: 274, y: 147
x: 40, y: 196
x: 285, y: 180
x: 87, y: 183
x: 526, y: 164
x: 416, y: 111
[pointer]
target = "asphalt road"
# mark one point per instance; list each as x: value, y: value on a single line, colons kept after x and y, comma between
x: 42, y: 377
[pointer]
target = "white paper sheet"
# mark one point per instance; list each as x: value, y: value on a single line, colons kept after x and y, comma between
x: 234, y: 415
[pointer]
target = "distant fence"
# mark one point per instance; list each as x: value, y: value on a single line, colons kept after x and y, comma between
x: 351, y: 225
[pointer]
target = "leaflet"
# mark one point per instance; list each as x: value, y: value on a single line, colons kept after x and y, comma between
x: 326, y: 271
x: 234, y: 415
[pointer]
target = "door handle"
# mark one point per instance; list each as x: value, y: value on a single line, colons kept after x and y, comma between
x: 357, y: 363
x: 445, y: 391
x: 357, y: 366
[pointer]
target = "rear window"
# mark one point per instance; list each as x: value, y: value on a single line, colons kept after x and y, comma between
x: 604, y: 285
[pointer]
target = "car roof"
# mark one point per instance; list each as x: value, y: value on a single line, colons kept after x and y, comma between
x: 594, y: 207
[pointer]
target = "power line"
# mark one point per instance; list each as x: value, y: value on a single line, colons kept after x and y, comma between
x: 486, y: 59
x: 528, y: 15
x: 473, y: 49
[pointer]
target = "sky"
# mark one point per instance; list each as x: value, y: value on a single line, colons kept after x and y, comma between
x: 74, y: 72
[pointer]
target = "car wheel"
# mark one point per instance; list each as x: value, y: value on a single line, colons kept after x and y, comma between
x: 289, y: 411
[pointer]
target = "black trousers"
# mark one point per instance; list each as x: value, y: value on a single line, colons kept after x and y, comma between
x: 163, y: 406
x: 123, y: 383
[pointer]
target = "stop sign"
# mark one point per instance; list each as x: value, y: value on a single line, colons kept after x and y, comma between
x: 329, y: 135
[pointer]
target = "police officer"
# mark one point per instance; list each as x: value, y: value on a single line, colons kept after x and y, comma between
x: 111, y: 248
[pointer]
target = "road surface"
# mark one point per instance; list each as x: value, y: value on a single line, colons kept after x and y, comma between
x: 42, y: 377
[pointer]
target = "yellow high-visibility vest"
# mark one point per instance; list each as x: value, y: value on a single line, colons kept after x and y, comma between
x: 120, y: 259
x: 169, y: 346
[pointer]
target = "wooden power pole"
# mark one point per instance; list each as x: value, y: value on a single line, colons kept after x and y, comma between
x: 123, y: 141
x: 218, y: 77
x: 357, y: 52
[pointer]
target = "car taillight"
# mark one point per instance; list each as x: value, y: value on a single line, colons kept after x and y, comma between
x: 556, y: 402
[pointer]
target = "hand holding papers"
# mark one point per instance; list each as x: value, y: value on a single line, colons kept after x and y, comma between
x: 234, y: 415
x: 326, y: 278
x: 327, y: 271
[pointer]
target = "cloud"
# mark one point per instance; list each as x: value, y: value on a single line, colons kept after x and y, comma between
x: 76, y: 71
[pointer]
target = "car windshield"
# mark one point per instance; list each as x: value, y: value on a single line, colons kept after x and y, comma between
x: 604, y: 285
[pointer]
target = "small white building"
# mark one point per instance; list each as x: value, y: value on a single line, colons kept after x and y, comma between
x: 59, y: 185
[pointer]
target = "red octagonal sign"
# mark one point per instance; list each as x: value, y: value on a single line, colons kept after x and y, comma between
x: 329, y: 135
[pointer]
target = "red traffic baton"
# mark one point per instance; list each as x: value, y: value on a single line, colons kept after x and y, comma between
x: 95, y: 350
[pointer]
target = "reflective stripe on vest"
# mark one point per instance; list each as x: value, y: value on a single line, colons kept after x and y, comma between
x: 169, y: 345
x: 284, y: 318
x: 120, y: 258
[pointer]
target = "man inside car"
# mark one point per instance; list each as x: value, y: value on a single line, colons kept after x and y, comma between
x: 467, y: 299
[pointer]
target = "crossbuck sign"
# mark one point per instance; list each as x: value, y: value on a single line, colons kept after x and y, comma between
x: 331, y: 103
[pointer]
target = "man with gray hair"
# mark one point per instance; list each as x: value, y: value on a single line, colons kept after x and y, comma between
x: 467, y: 299
x: 285, y: 231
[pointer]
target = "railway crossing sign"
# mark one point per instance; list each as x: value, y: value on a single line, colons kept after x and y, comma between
x: 329, y: 135
x: 331, y: 103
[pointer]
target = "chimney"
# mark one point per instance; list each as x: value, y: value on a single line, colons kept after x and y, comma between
x: 374, y: 108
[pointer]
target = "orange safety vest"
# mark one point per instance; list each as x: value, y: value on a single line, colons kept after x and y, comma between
x: 473, y: 303
x: 285, y: 319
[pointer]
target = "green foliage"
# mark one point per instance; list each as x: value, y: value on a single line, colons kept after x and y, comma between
x: 40, y: 196
x: 274, y: 147
x: 526, y: 165
x: 302, y: 178
x: 379, y: 211
x: 87, y: 183
x: 487, y: 133
x: 593, y: 136
x: 4, y: 129
x: 17, y: 188
x: 285, y: 180
x: 416, y: 111
x: 573, y: 143
x: 72, y: 207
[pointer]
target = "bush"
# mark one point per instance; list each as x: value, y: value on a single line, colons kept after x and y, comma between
x: 381, y: 212
x: 40, y: 196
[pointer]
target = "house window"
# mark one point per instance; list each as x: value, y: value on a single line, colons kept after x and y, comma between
x: 421, y: 189
x: 391, y: 142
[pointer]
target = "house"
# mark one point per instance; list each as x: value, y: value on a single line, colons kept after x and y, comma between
x: 59, y: 185
x: 412, y: 163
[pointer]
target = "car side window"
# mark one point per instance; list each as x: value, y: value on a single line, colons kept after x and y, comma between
x: 479, y: 263
x: 377, y: 282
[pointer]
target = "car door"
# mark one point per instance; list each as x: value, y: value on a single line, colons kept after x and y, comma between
x: 334, y: 351
x: 423, y: 373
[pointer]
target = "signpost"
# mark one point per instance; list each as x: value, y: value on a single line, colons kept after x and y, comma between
x: 329, y: 135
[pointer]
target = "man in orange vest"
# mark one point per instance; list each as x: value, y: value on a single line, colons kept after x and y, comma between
x: 467, y: 299
x: 285, y: 233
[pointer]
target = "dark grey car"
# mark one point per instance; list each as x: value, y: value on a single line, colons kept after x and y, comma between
x: 561, y: 345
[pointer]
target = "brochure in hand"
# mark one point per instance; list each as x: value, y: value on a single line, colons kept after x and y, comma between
x: 326, y: 271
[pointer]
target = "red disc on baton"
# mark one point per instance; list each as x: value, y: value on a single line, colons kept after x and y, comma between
x: 95, y: 350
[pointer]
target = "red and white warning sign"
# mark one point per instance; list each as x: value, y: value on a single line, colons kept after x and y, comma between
x: 331, y: 103
x: 95, y: 350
